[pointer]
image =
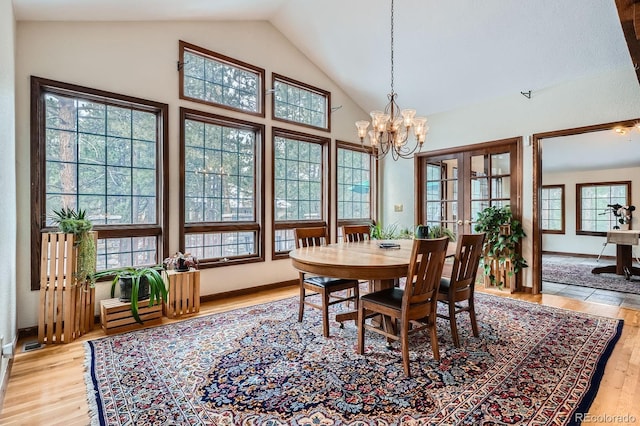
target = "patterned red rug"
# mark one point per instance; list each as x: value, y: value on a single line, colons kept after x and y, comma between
x: 259, y: 366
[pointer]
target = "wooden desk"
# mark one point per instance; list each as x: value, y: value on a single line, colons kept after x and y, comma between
x: 363, y: 260
x: 624, y: 258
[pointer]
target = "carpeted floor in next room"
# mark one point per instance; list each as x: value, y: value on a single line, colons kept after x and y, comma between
x: 592, y: 288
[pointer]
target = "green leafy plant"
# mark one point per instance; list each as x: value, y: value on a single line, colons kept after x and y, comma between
x: 503, y: 234
x: 390, y: 232
x: 138, y: 278
x: 438, y: 231
x: 74, y: 222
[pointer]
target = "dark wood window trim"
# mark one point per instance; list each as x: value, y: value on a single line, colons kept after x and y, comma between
x: 326, y: 184
x: 579, y: 187
x: 259, y: 191
x: 209, y: 54
x: 327, y: 95
x: 373, y: 189
x: 563, y: 211
x: 42, y: 86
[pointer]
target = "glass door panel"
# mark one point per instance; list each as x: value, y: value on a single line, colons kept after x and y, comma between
x: 457, y: 184
x: 441, y: 193
x: 501, y: 187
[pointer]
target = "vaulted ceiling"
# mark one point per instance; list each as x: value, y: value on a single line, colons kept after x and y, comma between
x: 448, y: 54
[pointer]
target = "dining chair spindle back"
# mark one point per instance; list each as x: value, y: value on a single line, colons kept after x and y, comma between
x: 414, y: 307
x: 460, y: 287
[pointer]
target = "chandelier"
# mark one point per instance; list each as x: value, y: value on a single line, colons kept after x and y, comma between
x: 391, y: 127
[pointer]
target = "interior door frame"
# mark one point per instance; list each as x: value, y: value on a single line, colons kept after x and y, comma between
x: 515, y: 173
x: 537, y: 187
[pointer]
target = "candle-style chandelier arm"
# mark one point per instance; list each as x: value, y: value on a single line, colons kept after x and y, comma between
x: 391, y: 127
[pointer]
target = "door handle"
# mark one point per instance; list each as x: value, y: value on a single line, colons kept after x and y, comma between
x: 460, y: 223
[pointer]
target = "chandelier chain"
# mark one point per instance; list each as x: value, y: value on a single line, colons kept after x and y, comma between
x: 392, y: 12
x: 391, y: 127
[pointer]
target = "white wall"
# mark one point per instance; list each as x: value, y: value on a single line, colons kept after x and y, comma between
x: 598, y: 99
x: 139, y: 59
x: 8, y: 328
x: 585, y: 244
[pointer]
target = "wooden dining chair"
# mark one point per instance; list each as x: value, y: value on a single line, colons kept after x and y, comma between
x: 356, y: 233
x: 460, y: 286
x: 325, y: 287
x: 414, y: 307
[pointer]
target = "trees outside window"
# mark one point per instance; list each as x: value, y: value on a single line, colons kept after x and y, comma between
x: 103, y: 153
x: 593, y: 213
x: 300, y: 185
x: 211, y: 78
x: 223, y: 188
x: 300, y: 103
x: 355, y: 182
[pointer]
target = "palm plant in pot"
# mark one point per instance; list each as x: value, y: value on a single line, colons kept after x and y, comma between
x: 74, y: 222
x: 137, y: 284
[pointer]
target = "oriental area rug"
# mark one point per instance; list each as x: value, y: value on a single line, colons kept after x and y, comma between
x: 258, y: 366
x: 580, y: 275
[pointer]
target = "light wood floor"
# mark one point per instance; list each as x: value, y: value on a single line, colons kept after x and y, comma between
x: 47, y: 385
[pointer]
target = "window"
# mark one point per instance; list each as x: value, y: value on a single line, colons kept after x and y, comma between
x: 355, y: 185
x: 300, y: 185
x: 552, y: 220
x: 594, y: 216
x: 300, y: 103
x: 223, y: 188
x: 100, y: 152
x: 211, y: 78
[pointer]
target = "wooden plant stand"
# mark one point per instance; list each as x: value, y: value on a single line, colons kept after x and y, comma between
x: 184, y: 293
x: 66, y: 309
x: 503, y: 271
x: 116, y: 317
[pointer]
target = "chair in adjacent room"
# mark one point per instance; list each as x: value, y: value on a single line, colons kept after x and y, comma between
x: 325, y: 287
x: 460, y: 286
x: 355, y: 233
x: 413, y: 307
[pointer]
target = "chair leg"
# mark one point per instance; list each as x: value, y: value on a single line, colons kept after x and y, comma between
x: 301, y: 308
x: 434, y: 338
x: 404, y: 340
x: 454, y: 325
x: 325, y: 313
x: 472, y: 316
x: 360, y: 330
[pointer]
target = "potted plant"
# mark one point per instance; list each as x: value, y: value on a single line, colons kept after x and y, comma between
x: 137, y: 284
x: 503, y: 234
x: 390, y: 232
x: 181, y: 262
x: 439, y: 231
x: 71, y: 222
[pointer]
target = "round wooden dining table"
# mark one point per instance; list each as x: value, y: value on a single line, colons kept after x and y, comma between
x: 364, y: 260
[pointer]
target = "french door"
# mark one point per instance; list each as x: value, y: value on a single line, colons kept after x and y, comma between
x: 455, y: 185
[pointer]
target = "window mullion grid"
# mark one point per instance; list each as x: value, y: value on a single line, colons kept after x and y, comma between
x: 131, y: 168
x: 77, y: 154
x: 205, y: 176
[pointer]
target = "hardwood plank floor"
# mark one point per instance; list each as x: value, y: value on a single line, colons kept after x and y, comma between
x: 47, y: 387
